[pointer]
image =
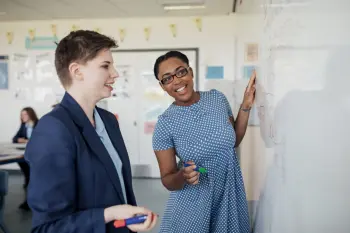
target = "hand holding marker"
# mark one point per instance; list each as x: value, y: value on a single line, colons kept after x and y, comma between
x: 191, y: 172
x: 201, y: 170
x: 131, y: 221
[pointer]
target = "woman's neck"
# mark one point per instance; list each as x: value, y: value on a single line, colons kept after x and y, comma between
x: 87, y: 104
x: 30, y: 123
x: 194, y: 99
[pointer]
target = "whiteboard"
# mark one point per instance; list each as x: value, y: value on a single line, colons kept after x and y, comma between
x: 139, y: 100
x: 304, y: 108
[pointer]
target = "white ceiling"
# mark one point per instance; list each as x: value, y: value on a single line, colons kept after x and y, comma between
x: 77, y: 9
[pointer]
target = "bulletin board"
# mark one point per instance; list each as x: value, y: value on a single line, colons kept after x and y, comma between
x: 31, y: 81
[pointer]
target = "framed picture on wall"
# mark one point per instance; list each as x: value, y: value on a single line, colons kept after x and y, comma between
x: 4, y: 73
x: 251, y: 52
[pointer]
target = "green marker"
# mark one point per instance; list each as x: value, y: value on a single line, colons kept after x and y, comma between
x: 201, y: 170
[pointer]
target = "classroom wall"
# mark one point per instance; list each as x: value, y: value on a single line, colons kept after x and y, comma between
x: 220, y: 43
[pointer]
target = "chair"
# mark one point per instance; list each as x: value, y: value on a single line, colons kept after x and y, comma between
x: 3, y: 192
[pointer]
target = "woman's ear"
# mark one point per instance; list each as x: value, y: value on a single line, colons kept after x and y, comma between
x: 191, y: 71
x: 75, y: 71
x: 162, y: 86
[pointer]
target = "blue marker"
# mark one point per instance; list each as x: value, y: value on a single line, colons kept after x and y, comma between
x: 201, y: 170
x: 130, y: 221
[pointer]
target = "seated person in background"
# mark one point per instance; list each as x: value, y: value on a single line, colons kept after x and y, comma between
x: 29, y: 120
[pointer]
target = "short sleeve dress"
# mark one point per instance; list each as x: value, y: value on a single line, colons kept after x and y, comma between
x: 203, y: 133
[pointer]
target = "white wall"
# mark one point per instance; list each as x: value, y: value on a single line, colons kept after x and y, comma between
x: 216, y: 43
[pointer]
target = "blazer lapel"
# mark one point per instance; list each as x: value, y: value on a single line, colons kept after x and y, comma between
x: 93, y: 141
x: 115, y: 135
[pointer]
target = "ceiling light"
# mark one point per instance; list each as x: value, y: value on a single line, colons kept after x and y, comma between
x: 2, y: 13
x: 182, y: 7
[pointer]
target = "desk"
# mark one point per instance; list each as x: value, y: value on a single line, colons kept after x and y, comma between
x: 11, y: 153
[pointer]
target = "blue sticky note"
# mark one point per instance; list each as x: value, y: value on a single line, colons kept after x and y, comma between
x: 247, y: 71
x: 215, y: 72
x: 4, y: 74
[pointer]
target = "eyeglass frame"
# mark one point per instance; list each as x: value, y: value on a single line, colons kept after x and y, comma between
x: 171, y: 75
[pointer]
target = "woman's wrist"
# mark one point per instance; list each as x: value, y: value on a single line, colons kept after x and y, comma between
x: 245, y: 107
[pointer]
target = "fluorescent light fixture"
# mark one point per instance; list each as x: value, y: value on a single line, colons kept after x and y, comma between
x: 182, y: 7
x: 2, y: 13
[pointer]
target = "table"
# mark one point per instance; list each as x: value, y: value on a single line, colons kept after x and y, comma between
x: 11, y: 153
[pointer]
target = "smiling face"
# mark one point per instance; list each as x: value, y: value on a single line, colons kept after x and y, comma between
x: 96, y: 76
x: 176, y: 78
x: 24, y: 116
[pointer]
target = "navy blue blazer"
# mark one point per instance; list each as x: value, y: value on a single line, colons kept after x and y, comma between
x: 72, y: 177
x: 21, y: 133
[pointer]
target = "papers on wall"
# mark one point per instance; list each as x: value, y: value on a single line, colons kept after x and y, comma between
x: 251, y: 52
x: 22, y: 93
x: 45, y: 68
x: 4, y: 72
x: 35, y: 78
x: 44, y: 94
x: 149, y: 127
x: 23, y: 67
x: 122, y: 88
x: 152, y: 89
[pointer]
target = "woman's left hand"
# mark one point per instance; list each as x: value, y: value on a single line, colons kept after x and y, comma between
x: 249, y: 94
x: 22, y: 140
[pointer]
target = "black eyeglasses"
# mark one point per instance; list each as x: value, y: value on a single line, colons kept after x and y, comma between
x: 179, y: 73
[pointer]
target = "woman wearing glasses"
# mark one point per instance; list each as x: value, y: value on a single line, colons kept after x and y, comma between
x: 199, y: 128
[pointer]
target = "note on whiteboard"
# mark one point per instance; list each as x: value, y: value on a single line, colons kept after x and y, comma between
x: 215, y: 72
x: 247, y: 71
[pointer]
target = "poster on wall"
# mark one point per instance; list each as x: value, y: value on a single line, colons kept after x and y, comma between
x: 22, y: 93
x: 149, y: 127
x: 23, y: 66
x: 122, y: 87
x: 251, y: 53
x: 4, y: 73
x: 152, y: 90
x: 45, y: 68
x: 152, y: 113
x: 44, y: 94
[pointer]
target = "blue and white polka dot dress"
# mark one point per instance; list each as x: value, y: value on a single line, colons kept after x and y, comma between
x: 203, y: 133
